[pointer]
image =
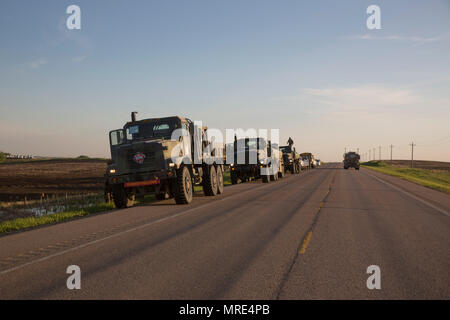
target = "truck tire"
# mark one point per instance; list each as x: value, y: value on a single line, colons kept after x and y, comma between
x: 183, y: 186
x: 108, y: 193
x: 274, y: 177
x: 357, y: 168
x: 233, y: 177
x: 219, y: 172
x: 210, y: 184
x: 281, y: 173
x: 121, y: 198
x: 265, y: 178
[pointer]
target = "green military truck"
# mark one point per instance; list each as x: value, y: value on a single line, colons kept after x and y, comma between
x: 250, y: 155
x: 291, y: 158
x: 351, y: 160
x: 147, y: 159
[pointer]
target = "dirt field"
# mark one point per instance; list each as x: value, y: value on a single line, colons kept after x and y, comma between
x: 31, y: 179
x: 420, y: 164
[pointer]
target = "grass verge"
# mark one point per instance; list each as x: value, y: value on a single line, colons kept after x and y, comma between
x: 31, y: 222
x: 437, y: 180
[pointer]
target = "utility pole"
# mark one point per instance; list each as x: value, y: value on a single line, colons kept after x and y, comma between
x: 412, y: 153
x: 370, y: 155
x: 391, y: 150
x: 374, y: 154
x: 379, y: 153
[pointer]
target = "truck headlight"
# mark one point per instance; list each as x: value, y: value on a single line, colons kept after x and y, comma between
x: 171, y: 164
x: 112, y: 171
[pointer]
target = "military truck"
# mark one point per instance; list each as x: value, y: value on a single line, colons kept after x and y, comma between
x: 351, y: 160
x: 307, y: 160
x: 146, y: 159
x: 291, y: 158
x: 250, y: 155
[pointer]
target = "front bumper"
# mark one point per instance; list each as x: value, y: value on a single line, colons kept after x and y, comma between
x: 139, y: 179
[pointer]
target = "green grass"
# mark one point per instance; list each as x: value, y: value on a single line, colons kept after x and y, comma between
x: 438, y: 180
x: 226, y: 178
x: 31, y: 222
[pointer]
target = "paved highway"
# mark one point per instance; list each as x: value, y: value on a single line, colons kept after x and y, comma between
x: 308, y: 236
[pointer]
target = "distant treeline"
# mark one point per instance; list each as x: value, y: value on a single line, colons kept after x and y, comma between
x: 4, y: 156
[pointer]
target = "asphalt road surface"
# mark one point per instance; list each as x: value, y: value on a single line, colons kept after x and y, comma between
x: 307, y: 236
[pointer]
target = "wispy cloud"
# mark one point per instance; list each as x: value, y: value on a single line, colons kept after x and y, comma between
x: 38, y: 63
x: 414, y: 39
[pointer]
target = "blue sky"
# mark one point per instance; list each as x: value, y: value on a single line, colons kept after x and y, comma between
x: 310, y: 68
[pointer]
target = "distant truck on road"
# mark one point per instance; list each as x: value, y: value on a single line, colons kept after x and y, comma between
x: 351, y: 160
x: 291, y: 158
x: 307, y: 160
x: 143, y: 162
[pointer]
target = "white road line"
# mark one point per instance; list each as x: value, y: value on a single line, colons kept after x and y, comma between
x: 410, y: 195
x: 127, y: 231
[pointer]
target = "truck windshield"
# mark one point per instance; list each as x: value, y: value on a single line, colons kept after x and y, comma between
x: 285, y: 149
x: 151, y: 129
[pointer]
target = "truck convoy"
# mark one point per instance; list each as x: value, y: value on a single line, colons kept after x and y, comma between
x: 250, y: 156
x: 351, y: 160
x: 291, y: 158
x: 169, y: 156
x: 142, y: 161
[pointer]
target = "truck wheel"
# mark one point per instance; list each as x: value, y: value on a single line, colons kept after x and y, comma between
x: 121, y: 198
x: 183, y: 188
x: 210, y: 184
x: 345, y: 168
x: 265, y: 178
x: 274, y: 177
x: 281, y: 173
x: 219, y: 180
x: 357, y: 168
x: 107, y: 193
x: 234, y: 178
